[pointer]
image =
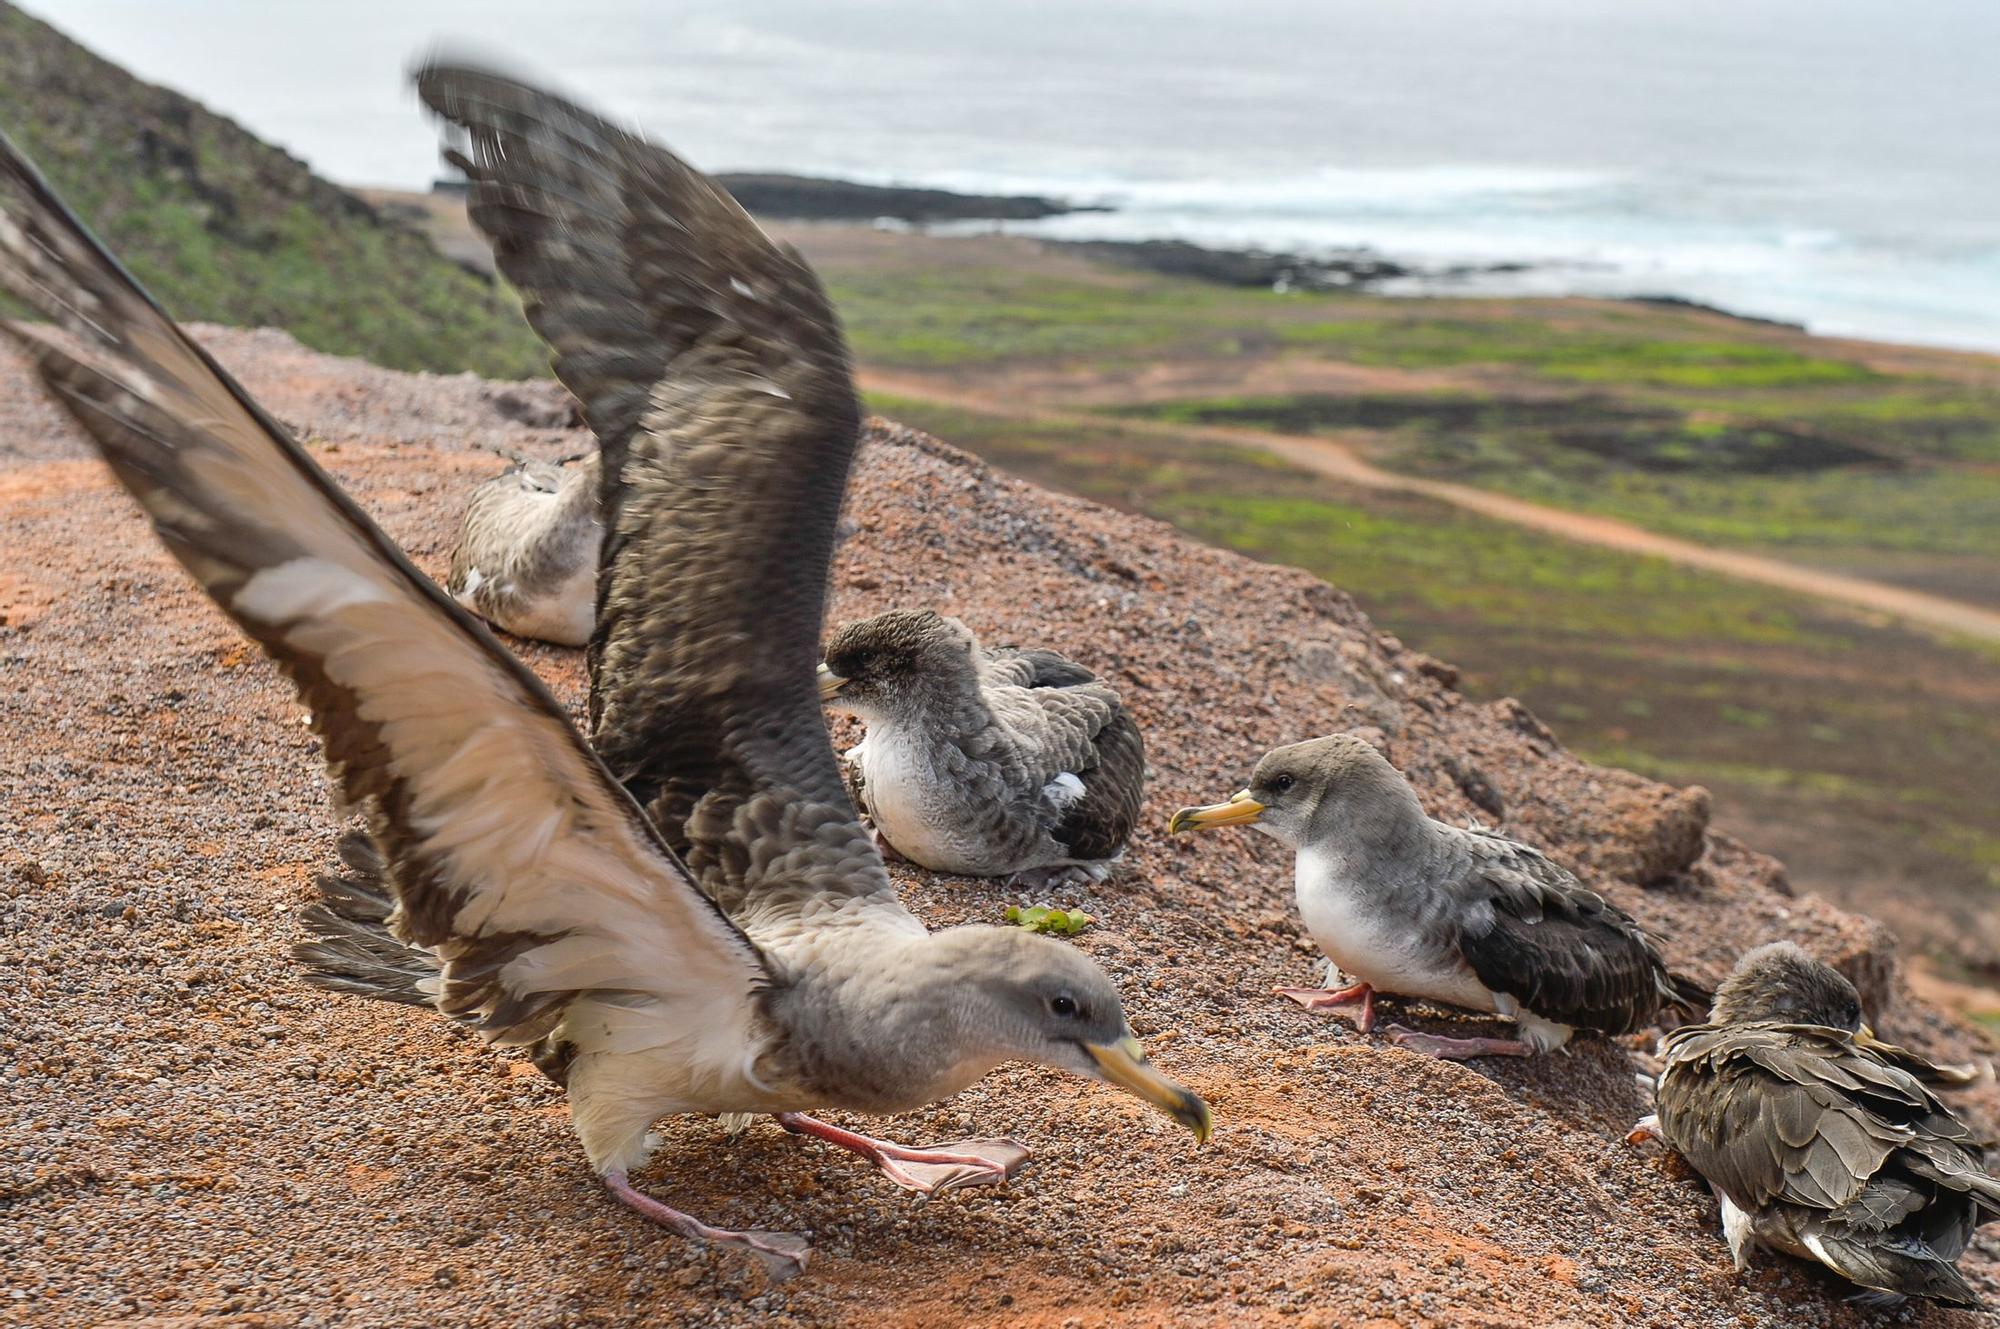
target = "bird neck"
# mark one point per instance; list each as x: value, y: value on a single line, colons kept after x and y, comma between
x: 1391, y: 827
x: 945, y: 705
x: 880, y: 1023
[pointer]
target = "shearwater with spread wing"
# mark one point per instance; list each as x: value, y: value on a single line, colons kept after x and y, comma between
x: 552, y: 908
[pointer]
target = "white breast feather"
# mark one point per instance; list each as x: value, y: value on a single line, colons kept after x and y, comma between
x: 910, y: 804
x: 1368, y: 942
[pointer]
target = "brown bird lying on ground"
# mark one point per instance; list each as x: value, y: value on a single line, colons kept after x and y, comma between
x: 1819, y: 1140
x: 1409, y: 906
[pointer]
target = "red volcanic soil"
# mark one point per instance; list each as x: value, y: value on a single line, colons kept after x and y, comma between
x: 191, y: 1136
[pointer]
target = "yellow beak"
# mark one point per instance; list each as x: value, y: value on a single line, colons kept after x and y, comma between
x: 1240, y: 810
x: 1124, y: 1064
x: 830, y: 684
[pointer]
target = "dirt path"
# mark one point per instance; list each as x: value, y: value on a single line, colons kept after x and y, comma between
x: 1332, y: 458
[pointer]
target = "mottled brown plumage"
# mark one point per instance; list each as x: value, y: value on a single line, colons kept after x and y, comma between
x: 526, y: 557
x: 1820, y: 1141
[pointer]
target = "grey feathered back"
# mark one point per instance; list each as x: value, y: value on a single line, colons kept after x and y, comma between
x: 1560, y: 949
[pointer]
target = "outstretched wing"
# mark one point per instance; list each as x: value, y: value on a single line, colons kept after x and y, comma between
x: 1560, y: 949
x: 514, y: 856
x: 712, y: 366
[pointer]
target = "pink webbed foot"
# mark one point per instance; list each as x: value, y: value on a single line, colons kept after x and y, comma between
x: 930, y: 1171
x: 781, y: 1253
x: 1333, y: 999
x: 1644, y: 1129
x: 1458, y: 1049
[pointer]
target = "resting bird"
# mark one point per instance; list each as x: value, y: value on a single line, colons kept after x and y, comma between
x: 1408, y: 906
x: 1818, y: 1139
x: 533, y: 898
x: 985, y: 763
x: 526, y: 559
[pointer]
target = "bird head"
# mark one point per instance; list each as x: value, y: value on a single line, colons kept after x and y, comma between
x: 1782, y: 984
x: 897, y: 660
x: 1018, y: 996
x: 1307, y: 792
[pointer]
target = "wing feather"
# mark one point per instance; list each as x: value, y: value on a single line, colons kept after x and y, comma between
x: 513, y: 854
x: 712, y: 367
x: 1559, y: 949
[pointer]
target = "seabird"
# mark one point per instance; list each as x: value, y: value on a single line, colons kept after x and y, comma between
x: 986, y: 763
x: 547, y: 906
x: 526, y: 559
x: 1408, y: 906
x: 1818, y: 1139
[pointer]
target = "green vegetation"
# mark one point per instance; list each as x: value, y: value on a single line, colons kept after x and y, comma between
x: 226, y: 228
x: 1711, y: 476
x: 1574, y: 354
x: 930, y: 318
x: 1053, y: 922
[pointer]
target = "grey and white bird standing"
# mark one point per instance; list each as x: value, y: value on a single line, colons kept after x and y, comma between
x: 526, y: 558
x: 1406, y: 905
x: 1819, y: 1140
x: 532, y: 897
x: 986, y: 763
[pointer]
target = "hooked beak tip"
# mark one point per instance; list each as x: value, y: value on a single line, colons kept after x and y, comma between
x: 830, y: 684
x: 1239, y: 810
x: 1124, y: 1064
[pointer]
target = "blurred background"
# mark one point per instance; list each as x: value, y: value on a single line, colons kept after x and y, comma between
x: 1635, y: 357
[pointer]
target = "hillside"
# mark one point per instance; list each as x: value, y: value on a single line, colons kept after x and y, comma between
x: 223, y: 226
x: 198, y: 1137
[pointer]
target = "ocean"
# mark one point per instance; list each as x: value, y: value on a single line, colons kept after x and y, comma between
x: 1834, y: 163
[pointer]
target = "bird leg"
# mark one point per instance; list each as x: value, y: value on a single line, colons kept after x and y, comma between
x: 1459, y: 1049
x: 1328, y: 999
x: 889, y: 852
x: 781, y: 1253
x: 1059, y: 876
x: 931, y: 1171
x: 1644, y: 1129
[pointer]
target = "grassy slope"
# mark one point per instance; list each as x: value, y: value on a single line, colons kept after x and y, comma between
x: 227, y: 228
x: 1738, y: 434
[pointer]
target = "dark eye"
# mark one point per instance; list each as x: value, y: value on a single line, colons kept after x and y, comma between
x: 1282, y: 784
x: 1063, y: 1006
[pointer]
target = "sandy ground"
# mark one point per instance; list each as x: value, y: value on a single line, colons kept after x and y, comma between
x: 191, y: 1136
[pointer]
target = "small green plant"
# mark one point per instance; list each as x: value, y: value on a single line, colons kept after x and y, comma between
x: 1059, y: 922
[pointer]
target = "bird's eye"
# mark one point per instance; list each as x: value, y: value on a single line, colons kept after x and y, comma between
x: 1282, y: 784
x: 1063, y: 1006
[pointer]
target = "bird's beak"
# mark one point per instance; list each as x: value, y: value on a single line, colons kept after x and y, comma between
x: 830, y: 684
x: 1124, y: 1064
x: 1240, y: 810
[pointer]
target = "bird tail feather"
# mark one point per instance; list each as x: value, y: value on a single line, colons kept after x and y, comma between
x: 1892, y: 1270
x: 352, y: 949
